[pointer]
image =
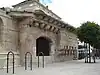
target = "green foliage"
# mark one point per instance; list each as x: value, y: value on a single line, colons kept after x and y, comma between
x: 89, y: 32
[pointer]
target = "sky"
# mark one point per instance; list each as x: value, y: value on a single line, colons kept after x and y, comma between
x: 74, y: 12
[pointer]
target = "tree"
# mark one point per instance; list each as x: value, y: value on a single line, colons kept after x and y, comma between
x: 89, y: 32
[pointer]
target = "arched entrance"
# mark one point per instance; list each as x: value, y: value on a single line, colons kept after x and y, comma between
x: 1, y: 22
x: 1, y: 26
x: 43, y: 44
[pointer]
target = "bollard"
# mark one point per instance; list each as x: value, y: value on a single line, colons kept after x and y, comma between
x: 42, y: 59
x: 8, y: 61
x: 26, y: 60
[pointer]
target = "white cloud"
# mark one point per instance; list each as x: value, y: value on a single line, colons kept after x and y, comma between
x: 72, y: 11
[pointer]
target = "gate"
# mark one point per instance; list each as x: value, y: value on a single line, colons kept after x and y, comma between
x: 8, y: 61
x: 42, y: 59
x: 26, y: 60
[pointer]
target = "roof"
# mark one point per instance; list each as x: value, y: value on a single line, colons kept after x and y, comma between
x: 40, y: 12
x: 30, y: 1
x: 24, y: 2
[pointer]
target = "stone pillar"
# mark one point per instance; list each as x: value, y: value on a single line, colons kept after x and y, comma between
x: 26, y: 42
x: 52, y: 52
x: 22, y: 38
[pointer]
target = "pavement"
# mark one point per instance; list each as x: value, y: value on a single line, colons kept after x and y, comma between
x: 75, y: 67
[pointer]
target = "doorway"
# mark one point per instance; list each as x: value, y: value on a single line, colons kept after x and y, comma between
x: 43, y: 45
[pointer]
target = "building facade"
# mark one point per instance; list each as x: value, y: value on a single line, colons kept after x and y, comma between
x: 31, y: 27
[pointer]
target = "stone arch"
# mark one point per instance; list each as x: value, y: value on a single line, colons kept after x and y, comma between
x: 1, y: 24
x: 1, y: 21
x: 43, y: 44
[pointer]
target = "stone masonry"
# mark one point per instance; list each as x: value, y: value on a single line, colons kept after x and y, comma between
x: 23, y: 24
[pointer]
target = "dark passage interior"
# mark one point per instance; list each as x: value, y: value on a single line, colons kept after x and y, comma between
x: 42, y: 45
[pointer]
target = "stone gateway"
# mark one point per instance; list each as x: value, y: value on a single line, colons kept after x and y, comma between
x: 31, y: 27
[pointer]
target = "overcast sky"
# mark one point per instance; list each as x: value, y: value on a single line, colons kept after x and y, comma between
x: 73, y: 12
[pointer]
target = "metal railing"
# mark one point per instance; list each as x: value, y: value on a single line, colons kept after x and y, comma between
x: 26, y: 60
x: 8, y: 61
x: 42, y: 59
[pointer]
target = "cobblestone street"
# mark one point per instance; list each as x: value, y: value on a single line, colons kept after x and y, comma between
x: 64, y: 68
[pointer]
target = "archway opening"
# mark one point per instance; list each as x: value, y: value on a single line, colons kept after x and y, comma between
x: 43, y: 44
x: 1, y: 26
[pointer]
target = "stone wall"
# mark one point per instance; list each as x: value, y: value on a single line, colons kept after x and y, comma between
x: 28, y: 36
x: 8, y: 38
x: 19, y: 36
x: 10, y: 35
x: 66, y: 39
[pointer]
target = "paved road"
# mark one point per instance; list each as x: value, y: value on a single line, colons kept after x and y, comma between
x: 64, y: 68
